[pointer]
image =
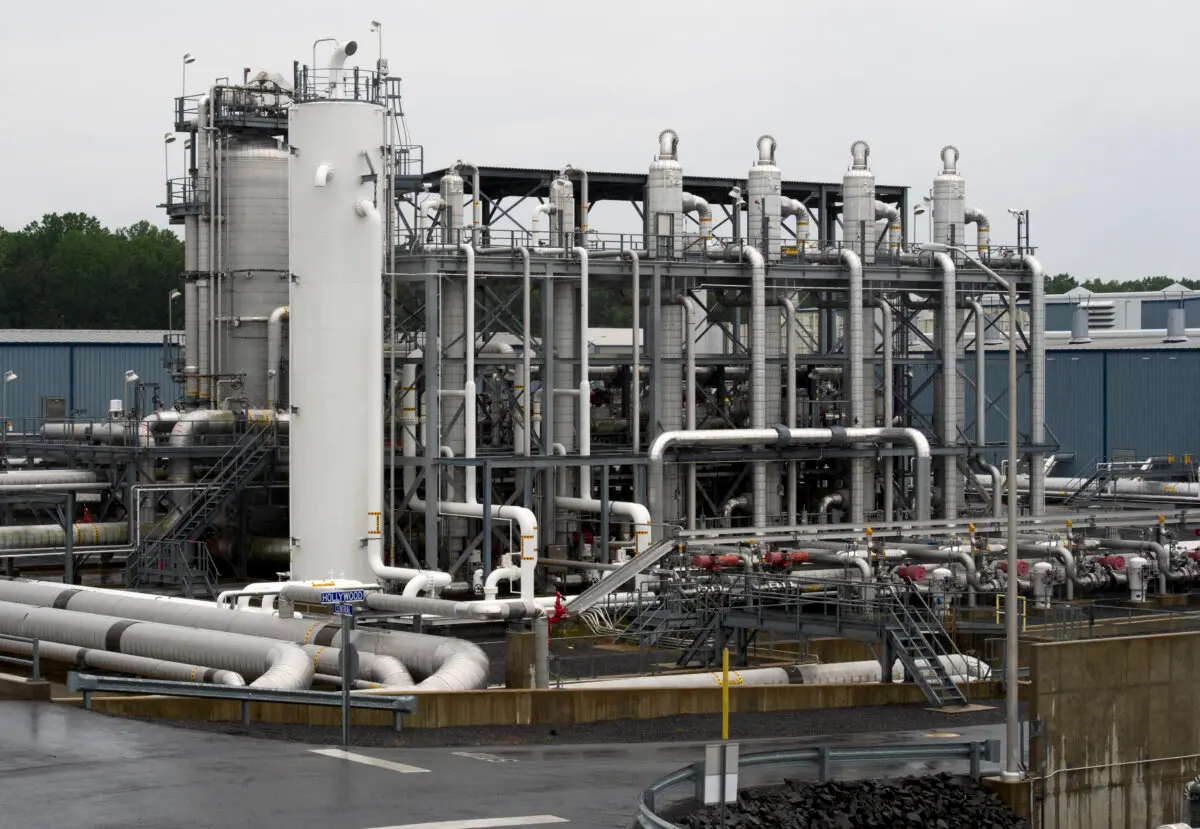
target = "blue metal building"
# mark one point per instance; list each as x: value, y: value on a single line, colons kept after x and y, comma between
x: 1121, y: 396
x: 62, y: 373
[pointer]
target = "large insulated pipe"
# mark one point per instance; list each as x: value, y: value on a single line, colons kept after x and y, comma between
x: 889, y: 403
x: 689, y: 407
x: 147, y: 428
x: 48, y: 476
x: 983, y: 232
x: 796, y: 208
x: 891, y: 212
x: 1160, y: 553
x: 635, y: 382
x: 789, y: 321
x: 782, y: 436
x: 38, y: 536
x: 585, y: 385
x: 203, y: 344
x: 855, y: 353
x: 960, y: 556
x: 191, y: 323
x: 123, y: 663
x: 186, y: 431
x: 637, y: 514
x: 949, y: 382
x: 1037, y: 382
x: 573, y: 172
x: 275, y: 354
x: 703, y: 211
x: 476, y: 204
x: 277, y: 665
x: 758, y: 365
x: 444, y: 664
x: 858, y: 204
x: 507, y: 610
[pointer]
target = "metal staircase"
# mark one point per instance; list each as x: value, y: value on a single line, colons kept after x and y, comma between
x: 921, y: 643
x: 613, y: 581
x: 172, y: 552
x: 1099, y: 475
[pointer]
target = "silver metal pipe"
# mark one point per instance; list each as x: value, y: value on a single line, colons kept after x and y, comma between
x: 983, y: 234
x: 854, y: 351
x: 783, y: 436
x: 758, y: 360
x: 997, y: 488
x: 789, y: 310
x: 1160, y: 553
x: 949, y: 379
x: 440, y: 663
x: 828, y: 503
x: 39, y: 536
x: 889, y: 488
x: 1037, y: 382
x: 125, y: 663
x: 277, y: 665
x: 635, y: 382
x: 275, y: 354
x: 506, y: 610
x: 689, y: 334
x: 727, y: 509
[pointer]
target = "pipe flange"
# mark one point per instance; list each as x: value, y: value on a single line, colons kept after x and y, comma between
x: 838, y: 438
x: 785, y: 435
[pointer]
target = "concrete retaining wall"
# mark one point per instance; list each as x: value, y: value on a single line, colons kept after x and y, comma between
x: 525, y: 707
x: 1121, y: 735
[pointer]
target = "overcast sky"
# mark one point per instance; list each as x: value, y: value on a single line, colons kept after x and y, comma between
x: 1083, y: 111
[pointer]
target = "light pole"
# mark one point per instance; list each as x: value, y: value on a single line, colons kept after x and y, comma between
x: 917, y: 211
x: 168, y: 139
x: 1022, y: 217
x: 9, y: 376
x: 377, y: 27
x: 1012, y: 710
x: 130, y: 377
x: 187, y: 58
x: 927, y: 204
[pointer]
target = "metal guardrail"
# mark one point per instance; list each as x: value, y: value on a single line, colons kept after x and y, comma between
x: 33, y: 662
x: 87, y: 684
x: 824, y: 758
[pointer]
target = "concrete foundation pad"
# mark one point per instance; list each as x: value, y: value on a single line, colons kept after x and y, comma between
x: 1014, y: 794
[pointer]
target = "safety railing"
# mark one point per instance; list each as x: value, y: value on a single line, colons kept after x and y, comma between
x: 824, y: 759
x: 89, y: 684
x: 684, y: 245
x: 33, y: 663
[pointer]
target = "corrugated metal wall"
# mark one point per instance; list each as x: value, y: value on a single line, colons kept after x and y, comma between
x: 1154, y: 312
x: 1145, y: 401
x: 1058, y: 315
x: 88, y: 375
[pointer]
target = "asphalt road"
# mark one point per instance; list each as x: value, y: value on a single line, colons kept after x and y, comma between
x: 61, y: 766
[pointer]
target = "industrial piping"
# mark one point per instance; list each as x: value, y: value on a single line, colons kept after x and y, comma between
x: 758, y: 367
x: 443, y: 664
x: 783, y: 436
x: 1160, y: 553
x: 124, y: 663
x: 275, y: 354
x: 277, y: 665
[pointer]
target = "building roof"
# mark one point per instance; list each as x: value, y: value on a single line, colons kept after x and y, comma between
x: 82, y: 336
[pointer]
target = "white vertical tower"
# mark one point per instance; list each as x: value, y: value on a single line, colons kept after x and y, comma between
x: 336, y: 336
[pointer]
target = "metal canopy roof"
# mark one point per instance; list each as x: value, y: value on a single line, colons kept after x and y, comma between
x: 517, y: 182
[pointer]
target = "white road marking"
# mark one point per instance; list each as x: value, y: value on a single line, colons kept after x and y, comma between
x: 487, y: 758
x: 338, y: 754
x: 482, y: 823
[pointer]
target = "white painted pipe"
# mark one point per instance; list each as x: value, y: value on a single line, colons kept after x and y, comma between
x: 637, y: 514
x: 275, y: 354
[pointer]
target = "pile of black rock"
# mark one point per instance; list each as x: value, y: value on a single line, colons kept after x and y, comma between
x: 940, y: 801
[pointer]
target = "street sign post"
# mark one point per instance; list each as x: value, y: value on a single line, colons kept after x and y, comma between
x: 343, y: 602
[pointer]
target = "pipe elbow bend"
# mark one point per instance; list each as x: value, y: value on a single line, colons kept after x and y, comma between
x: 322, y: 176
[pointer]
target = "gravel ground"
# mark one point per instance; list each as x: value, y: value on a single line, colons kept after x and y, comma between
x: 686, y: 728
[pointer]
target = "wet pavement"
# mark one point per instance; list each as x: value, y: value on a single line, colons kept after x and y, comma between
x: 63, y: 766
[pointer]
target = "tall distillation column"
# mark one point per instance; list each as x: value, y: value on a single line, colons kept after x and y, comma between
x: 336, y: 343
x: 565, y: 338
x: 764, y: 229
x: 858, y: 234
x: 664, y: 239
x: 454, y: 368
x: 949, y: 224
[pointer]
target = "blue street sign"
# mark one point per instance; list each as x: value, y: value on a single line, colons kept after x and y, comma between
x: 342, y: 596
x: 343, y: 610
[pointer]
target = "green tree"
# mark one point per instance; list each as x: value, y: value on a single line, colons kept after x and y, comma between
x: 1060, y: 283
x: 68, y: 271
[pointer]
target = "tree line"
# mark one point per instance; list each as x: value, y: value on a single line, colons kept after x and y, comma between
x: 69, y: 271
